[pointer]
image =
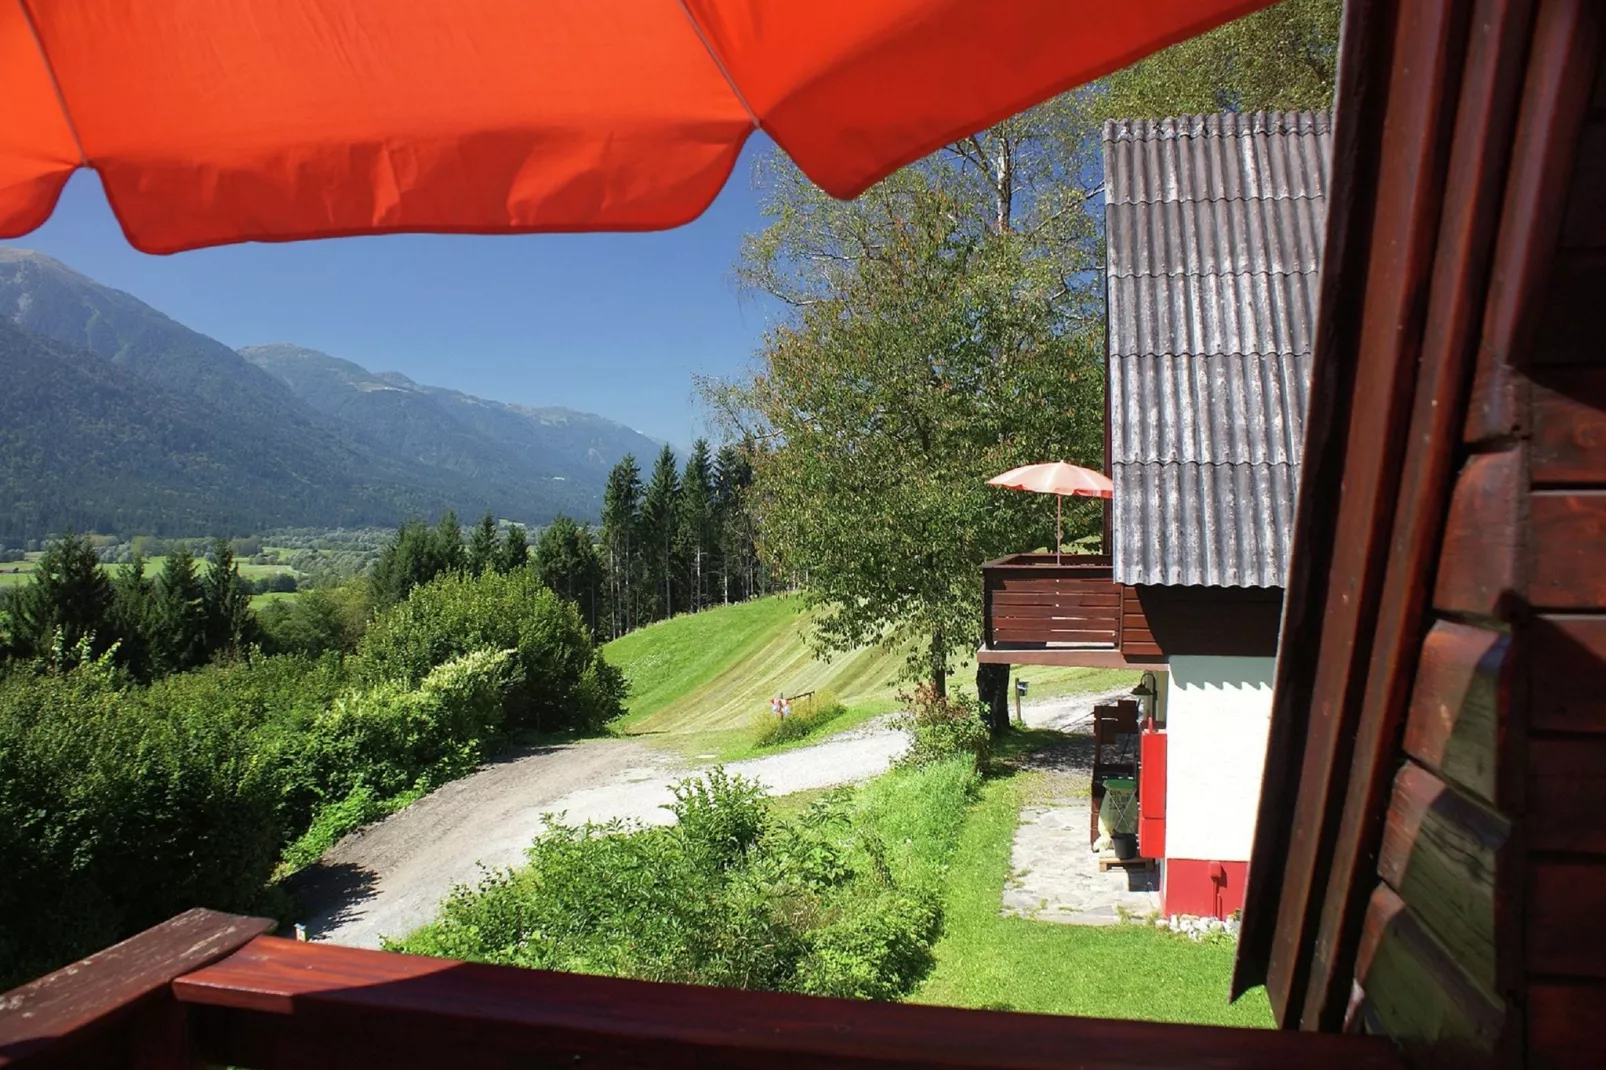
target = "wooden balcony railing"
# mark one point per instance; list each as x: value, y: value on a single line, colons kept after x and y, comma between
x: 209, y: 988
x: 1033, y: 602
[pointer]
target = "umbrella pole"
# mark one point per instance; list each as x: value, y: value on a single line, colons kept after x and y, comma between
x: 1059, y: 500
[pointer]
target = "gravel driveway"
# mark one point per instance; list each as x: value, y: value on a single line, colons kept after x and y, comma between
x: 389, y: 878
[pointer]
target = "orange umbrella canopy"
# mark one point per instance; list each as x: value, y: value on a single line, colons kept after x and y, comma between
x: 214, y: 121
x: 1057, y: 477
x: 1061, y: 480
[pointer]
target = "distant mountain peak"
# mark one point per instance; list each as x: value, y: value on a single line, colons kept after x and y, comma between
x: 180, y: 434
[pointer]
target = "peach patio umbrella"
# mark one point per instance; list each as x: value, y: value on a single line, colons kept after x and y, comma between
x: 1061, y: 480
x: 215, y: 121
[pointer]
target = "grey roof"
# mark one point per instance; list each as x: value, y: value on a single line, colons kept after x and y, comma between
x: 1214, y: 227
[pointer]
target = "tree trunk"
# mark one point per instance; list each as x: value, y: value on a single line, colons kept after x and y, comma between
x: 939, y: 664
x: 1004, y: 184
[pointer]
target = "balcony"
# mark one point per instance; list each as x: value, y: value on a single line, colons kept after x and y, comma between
x: 1036, y: 610
x: 208, y: 988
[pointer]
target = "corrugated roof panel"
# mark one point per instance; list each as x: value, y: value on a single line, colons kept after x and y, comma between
x: 1219, y: 525
x: 1214, y: 227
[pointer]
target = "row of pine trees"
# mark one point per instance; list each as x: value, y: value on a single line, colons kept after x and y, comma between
x: 179, y: 619
x: 684, y: 540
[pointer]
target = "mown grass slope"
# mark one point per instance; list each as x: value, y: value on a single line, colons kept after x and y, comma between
x: 701, y: 683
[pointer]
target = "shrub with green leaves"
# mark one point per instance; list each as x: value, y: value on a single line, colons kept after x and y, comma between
x: 115, y: 814
x: 842, y: 900
x: 564, y: 683
x: 393, y: 738
x: 943, y: 726
x: 317, y: 621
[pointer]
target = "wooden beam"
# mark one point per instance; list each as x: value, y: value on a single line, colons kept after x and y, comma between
x: 279, y: 1003
x: 1322, y: 897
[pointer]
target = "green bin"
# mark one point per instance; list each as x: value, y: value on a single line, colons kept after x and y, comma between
x: 1118, y: 812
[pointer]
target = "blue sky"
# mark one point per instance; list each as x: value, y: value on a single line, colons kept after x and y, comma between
x: 615, y: 324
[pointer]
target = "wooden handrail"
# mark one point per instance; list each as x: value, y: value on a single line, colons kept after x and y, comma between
x: 99, y: 1010
x: 281, y: 1003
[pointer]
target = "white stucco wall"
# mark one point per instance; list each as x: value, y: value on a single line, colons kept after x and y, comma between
x: 1218, y: 711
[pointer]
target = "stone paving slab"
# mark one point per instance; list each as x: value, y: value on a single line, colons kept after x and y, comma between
x: 1055, y: 877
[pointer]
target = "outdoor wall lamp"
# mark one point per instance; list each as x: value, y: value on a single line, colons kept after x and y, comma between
x: 1145, y: 693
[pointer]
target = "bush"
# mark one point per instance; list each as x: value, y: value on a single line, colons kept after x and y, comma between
x: 391, y: 738
x: 317, y: 621
x: 564, y: 683
x: 730, y: 896
x: 941, y: 727
x: 116, y: 814
x: 820, y: 710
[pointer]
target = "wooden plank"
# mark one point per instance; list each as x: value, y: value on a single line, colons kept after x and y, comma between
x: 1051, y: 635
x: 1566, y: 901
x: 1415, y: 990
x: 1569, y: 424
x: 1439, y: 853
x: 1064, y: 609
x: 1134, y: 636
x: 1480, y: 554
x: 1055, y: 585
x: 1564, y: 1023
x: 317, y: 1005
x: 1104, y: 600
x: 1566, y: 790
x: 1568, y: 552
x: 1140, y: 649
x: 1563, y: 651
x: 46, y: 1022
x: 1459, y: 698
x: 1085, y: 658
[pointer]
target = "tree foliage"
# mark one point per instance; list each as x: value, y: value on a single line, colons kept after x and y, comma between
x: 932, y: 350
x: 947, y: 325
x: 1283, y: 58
x: 566, y: 561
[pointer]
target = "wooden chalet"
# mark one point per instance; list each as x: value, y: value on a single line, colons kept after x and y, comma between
x: 1429, y: 863
x: 1213, y: 228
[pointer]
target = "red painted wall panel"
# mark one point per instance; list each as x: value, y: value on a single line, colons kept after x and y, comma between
x: 1151, y: 795
x: 1207, y: 888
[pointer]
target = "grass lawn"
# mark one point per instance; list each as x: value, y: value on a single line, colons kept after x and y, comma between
x: 20, y: 572
x: 1127, y: 971
x: 16, y: 573
x: 700, y: 684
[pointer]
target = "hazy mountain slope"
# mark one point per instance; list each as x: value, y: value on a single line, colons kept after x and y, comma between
x: 568, y: 452
x: 204, y: 437
x: 87, y: 444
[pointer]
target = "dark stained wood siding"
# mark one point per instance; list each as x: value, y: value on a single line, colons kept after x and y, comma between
x: 1220, y: 621
x: 1450, y: 808
x: 1035, y: 611
x: 1561, y: 742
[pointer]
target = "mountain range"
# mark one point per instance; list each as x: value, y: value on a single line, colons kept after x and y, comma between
x: 114, y: 417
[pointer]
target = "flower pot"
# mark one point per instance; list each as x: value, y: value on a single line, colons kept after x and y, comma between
x: 1125, y: 845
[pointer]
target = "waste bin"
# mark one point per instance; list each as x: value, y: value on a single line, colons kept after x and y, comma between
x: 1118, y: 811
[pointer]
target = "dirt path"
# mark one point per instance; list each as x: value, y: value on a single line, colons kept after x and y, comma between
x: 389, y: 878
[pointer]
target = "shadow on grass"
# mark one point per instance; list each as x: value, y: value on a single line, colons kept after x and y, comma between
x: 1022, y: 749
